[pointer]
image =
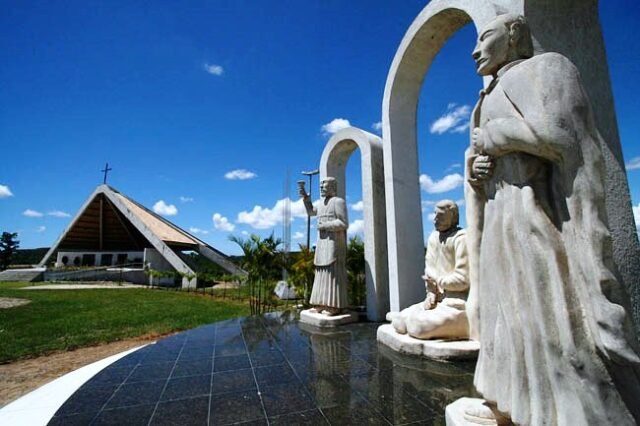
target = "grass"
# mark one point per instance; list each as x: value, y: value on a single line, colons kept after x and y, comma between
x: 58, y: 320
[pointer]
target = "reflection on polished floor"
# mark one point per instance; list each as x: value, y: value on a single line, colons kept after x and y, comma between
x: 269, y: 369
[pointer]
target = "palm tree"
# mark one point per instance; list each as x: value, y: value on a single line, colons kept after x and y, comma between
x: 302, y: 271
x: 262, y: 261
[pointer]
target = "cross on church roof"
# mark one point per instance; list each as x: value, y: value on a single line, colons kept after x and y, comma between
x: 106, y: 171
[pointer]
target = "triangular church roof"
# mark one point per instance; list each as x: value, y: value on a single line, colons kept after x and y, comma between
x: 111, y: 221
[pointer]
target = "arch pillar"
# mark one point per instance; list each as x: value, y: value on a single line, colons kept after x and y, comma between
x: 438, y: 21
x: 333, y: 163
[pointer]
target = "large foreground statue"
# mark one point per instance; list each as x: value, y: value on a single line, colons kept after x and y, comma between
x: 446, y: 274
x: 329, y: 294
x: 556, y: 343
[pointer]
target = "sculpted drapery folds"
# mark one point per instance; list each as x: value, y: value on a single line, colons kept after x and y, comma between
x: 557, y: 345
x: 329, y: 294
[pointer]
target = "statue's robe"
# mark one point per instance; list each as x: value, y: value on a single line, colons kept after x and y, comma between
x: 446, y: 260
x: 330, y: 281
x: 557, y: 345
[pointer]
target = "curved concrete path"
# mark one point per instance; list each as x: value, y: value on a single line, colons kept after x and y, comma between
x: 38, y: 407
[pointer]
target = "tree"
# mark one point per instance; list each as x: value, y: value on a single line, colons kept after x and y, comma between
x: 8, y: 247
x: 302, y: 271
x: 263, y: 263
x: 261, y: 259
x: 356, y: 271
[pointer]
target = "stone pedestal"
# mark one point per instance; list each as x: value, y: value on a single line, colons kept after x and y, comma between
x: 435, y: 349
x: 326, y: 321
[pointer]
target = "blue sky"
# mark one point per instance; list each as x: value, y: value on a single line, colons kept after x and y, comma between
x: 203, y: 108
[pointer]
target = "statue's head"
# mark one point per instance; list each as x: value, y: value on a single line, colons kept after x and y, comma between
x: 446, y: 215
x: 328, y: 187
x: 503, y: 40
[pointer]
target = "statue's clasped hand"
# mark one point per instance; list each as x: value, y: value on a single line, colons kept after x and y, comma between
x: 435, y: 294
x: 482, y: 167
x: 477, y: 139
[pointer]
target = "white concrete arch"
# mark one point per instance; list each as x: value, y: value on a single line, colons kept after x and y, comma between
x: 333, y: 163
x: 438, y: 21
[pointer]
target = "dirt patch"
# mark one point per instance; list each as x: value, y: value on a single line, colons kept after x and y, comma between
x: 12, y: 302
x: 22, y: 377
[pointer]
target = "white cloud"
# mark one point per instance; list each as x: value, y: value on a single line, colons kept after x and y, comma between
x: 357, y: 207
x: 431, y: 216
x: 265, y: 218
x: 335, y: 126
x: 41, y: 228
x: 222, y: 223
x: 195, y: 230
x: 5, y: 192
x: 260, y: 218
x: 298, y: 209
x: 636, y: 215
x: 356, y: 227
x: 452, y: 120
x: 298, y: 235
x: 427, y: 205
x: 377, y: 126
x: 245, y: 233
x: 239, y: 174
x: 452, y: 167
x: 184, y: 199
x: 632, y: 164
x: 445, y: 184
x: 214, y: 69
x: 58, y: 213
x: 165, y: 209
x: 32, y: 213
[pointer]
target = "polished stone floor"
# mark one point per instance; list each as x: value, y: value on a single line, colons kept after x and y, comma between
x: 268, y: 370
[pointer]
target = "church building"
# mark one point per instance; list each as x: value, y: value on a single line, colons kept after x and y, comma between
x: 113, y: 230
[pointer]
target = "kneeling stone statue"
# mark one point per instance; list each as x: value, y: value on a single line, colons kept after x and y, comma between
x: 442, y: 314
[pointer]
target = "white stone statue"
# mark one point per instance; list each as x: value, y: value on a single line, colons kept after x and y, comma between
x: 446, y: 274
x: 329, y: 294
x: 556, y: 343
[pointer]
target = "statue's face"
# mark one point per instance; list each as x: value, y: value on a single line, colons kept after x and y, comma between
x: 492, y: 49
x: 326, y: 189
x: 443, y: 219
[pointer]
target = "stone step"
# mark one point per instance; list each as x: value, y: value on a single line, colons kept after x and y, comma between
x: 29, y: 275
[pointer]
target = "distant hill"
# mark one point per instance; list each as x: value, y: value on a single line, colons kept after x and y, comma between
x: 24, y: 257
x: 28, y: 256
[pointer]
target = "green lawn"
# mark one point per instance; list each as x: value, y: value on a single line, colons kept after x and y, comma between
x: 67, y: 319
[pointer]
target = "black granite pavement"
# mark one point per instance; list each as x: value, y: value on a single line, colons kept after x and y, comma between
x: 266, y: 370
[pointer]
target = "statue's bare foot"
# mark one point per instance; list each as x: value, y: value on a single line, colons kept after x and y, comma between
x: 486, y: 414
x: 399, y: 325
x: 314, y: 310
